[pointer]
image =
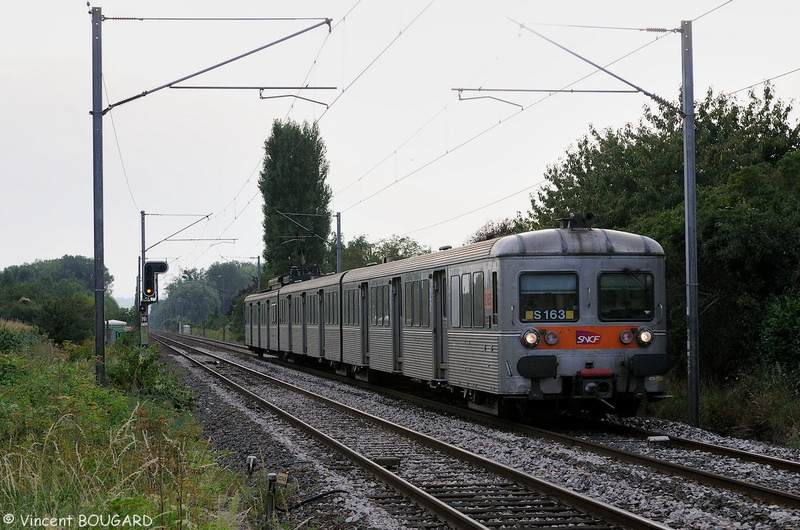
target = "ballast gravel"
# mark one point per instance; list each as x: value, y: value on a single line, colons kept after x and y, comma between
x: 240, y: 430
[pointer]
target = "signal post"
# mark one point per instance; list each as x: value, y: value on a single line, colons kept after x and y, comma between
x: 150, y: 273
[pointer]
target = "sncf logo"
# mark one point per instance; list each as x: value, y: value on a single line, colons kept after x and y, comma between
x: 587, y: 337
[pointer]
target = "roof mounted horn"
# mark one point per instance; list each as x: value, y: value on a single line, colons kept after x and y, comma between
x: 576, y: 220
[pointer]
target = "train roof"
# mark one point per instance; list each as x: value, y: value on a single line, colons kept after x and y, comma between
x: 565, y: 241
x: 322, y: 281
x: 549, y: 242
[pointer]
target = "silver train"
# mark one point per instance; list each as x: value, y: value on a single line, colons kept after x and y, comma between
x: 571, y: 318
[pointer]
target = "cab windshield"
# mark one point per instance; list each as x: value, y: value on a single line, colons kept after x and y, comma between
x: 548, y: 297
x: 626, y: 296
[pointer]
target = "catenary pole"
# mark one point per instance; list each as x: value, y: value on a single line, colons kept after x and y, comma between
x: 97, y: 170
x: 690, y: 193
x: 338, y: 242
x: 143, y: 307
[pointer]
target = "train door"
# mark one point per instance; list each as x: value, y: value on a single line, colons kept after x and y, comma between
x: 248, y: 315
x: 364, y: 309
x: 321, y: 322
x: 440, y: 322
x: 266, y: 315
x: 289, y: 323
x: 396, y: 320
x: 257, y: 323
x: 303, y: 323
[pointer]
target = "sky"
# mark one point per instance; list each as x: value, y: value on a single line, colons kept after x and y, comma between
x: 407, y: 156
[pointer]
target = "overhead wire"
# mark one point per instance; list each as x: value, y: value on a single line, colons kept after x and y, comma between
x: 666, y: 32
x: 766, y: 81
x: 469, y: 140
x: 344, y: 90
x: 119, y: 151
x: 479, y: 208
x: 610, y: 64
x: 258, y: 165
x: 319, y: 52
x: 377, y: 57
x: 493, y: 126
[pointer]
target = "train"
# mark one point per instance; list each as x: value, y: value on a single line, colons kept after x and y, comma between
x: 568, y: 319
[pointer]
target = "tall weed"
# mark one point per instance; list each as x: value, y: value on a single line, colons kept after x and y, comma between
x: 762, y: 403
x: 69, y: 447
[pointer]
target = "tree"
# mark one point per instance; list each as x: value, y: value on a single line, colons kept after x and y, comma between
x: 631, y: 172
x: 748, y: 169
x: 500, y: 228
x: 196, y: 295
x: 229, y: 278
x: 55, y: 295
x: 357, y: 253
x: 293, y: 182
x: 399, y: 247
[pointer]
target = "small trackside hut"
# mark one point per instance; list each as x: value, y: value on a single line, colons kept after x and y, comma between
x: 571, y: 318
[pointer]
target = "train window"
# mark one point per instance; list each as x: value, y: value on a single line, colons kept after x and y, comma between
x: 356, y: 307
x: 466, y: 301
x: 626, y: 296
x: 409, y: 302
x: 373, y: 305
x: 548, y: 297
x: 328, y: 308
x: 379, y: 305
x: 455, y: 301
x: 332, y: 308
x: 425, y: 304
x: 477, y: 299
x: 385, y: 305
x: 494, y: 298
x: 312, y: 309
x: 350, y: 309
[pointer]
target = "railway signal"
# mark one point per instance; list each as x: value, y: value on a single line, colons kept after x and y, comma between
x: 150, y: 280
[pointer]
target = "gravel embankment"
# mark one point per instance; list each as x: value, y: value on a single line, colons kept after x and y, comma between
x: 238, y: 430
x: 674, y: 502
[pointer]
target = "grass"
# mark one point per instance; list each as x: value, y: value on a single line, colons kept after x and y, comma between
x: 69, y: 447
x: 762, y: 403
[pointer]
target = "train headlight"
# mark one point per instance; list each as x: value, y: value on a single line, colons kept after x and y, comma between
x: 626, y: 336
x: 551, y: 338
x: 530, y: 338
x: 644, y: 336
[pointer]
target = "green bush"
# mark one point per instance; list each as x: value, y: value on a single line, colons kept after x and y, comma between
x: 16, y: 336
x: 137, y: 371
x: 780, y: 341
x: 68, y: 446
x: 762, y: 403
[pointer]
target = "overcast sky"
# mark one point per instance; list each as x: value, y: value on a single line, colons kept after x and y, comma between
x: 406, y: 156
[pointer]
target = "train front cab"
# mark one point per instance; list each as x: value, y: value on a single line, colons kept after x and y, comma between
x: 584, y: 332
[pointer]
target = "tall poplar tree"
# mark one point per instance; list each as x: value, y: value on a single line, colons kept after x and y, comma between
x: 293, y: 182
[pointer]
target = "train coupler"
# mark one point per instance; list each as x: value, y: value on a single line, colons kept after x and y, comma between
x: 595, y: 383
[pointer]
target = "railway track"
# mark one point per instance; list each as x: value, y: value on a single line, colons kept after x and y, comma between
x: 777, y: 488
x: 458, y: 487
x: 620, y: 446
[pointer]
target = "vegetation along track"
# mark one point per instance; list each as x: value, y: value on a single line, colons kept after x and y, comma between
x: 460, y: 488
